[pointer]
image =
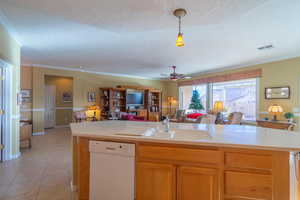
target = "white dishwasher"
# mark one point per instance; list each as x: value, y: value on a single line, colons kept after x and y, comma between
x: 112, y: 171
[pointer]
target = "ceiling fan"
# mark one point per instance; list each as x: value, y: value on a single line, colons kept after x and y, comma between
x: 175, y: 76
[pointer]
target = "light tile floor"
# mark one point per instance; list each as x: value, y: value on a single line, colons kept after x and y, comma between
x: 42, y: 172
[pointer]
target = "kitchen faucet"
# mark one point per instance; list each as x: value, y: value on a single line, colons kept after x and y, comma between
x: 166, y: 122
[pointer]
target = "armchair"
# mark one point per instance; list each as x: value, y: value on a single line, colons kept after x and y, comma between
x: 235, y: 118
x: 179, y: 116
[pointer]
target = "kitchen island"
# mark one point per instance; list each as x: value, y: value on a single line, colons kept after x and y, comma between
x: 197, y: 161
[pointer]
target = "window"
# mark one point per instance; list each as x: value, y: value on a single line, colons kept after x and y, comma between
x: 186, y: 92
x: 238, y: 96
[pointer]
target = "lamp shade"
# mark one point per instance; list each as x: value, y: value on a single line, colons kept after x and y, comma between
x: 179, y: 41
x: 219, y: 106
x: 171, y: 100
x: 274, y: 109
x: 93, y: 107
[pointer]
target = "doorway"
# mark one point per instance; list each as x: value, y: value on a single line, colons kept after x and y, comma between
x: 58, y: 101
x: 5, y: 111
x: 50, y: 106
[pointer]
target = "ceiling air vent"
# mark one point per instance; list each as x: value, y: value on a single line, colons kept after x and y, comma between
x: 270, y: 46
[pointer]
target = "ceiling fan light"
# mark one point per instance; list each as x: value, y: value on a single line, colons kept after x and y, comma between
x: 179, y: 41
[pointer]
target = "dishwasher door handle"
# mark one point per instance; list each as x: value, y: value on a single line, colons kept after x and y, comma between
x: 110, y: 148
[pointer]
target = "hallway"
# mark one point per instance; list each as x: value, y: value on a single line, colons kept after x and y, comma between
x: 41, y: 173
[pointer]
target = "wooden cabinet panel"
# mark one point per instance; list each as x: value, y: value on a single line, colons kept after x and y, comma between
x: 155, y: 181
x: 276, y: 124
x: 154, y: 116
x: 179, y: 154
x: 26, y: 133
x: 248, y: 185
x: 142, y: 113
x: 249, y: 161
x: 83, y: 169
x: 195, y: 183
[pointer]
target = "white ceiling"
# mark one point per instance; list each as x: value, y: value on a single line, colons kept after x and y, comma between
x: 137, y: 37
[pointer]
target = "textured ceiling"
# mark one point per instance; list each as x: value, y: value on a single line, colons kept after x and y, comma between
x: 138, y: 37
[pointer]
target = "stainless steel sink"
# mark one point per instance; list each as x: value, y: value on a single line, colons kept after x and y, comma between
x: 180, y: 134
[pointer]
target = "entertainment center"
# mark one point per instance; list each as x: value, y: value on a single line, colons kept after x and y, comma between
x: 140, y: 101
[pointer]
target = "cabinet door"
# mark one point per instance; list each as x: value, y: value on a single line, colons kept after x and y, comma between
x: 194, y: 183
x: 155, y: 181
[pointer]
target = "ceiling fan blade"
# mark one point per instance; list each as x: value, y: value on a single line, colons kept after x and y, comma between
x: 164, y: 75
x: 187, y: 77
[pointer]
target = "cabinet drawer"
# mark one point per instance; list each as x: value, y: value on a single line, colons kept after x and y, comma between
x: 249, y: 161
x: 248, y: 185
x: 179, y: 154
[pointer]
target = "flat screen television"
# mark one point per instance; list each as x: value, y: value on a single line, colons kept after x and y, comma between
x: 135, y: 98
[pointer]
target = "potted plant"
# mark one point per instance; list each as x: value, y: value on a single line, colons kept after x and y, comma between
x: 289, y: 116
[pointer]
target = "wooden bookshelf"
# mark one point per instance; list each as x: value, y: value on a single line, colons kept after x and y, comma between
x: 154, y: 105
x: 114, y: 100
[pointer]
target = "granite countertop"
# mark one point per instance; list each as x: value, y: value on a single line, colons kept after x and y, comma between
x: 192, y: 134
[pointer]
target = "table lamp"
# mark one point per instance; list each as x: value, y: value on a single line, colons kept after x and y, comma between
x: 218, y: 107
x: 171, y: 100
x: 92, y: 112
x: 275, y: 110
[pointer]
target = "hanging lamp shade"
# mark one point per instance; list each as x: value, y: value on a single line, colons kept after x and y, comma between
x: 179, y: 41
x: 179, y: 13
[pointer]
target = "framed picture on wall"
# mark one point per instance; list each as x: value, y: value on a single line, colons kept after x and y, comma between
x: 26, y: 93
x: 91, y: 96
x: 277, y: 92
x: 26, y: 100
x: 67, y: 97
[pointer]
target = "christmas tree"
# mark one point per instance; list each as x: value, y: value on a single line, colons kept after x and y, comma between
x: 196, y: 102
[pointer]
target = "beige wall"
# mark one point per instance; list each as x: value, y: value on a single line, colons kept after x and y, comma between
x: 26, y: 84
x: 64, y: 112
x: 10, y: 53
x: 82, y: 84
x: 280, y: 73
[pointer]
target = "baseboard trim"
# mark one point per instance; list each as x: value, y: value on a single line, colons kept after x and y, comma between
x: 73, y: 187
x: 38, y: 133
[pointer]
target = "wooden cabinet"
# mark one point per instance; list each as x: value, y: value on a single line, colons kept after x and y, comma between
x: 154, y: 104
x: 186, y: 172
x: 155, y: 181
x: 114, y: 100
x: 194, y: 183
x: 154, y: 116
x: 158, y: 181
x: 139, y: 113
x: 160, y: 166
x: 276, y: 124
x: 26, y: 133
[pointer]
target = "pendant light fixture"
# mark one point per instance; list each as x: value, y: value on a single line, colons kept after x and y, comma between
x: 179, y: 13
